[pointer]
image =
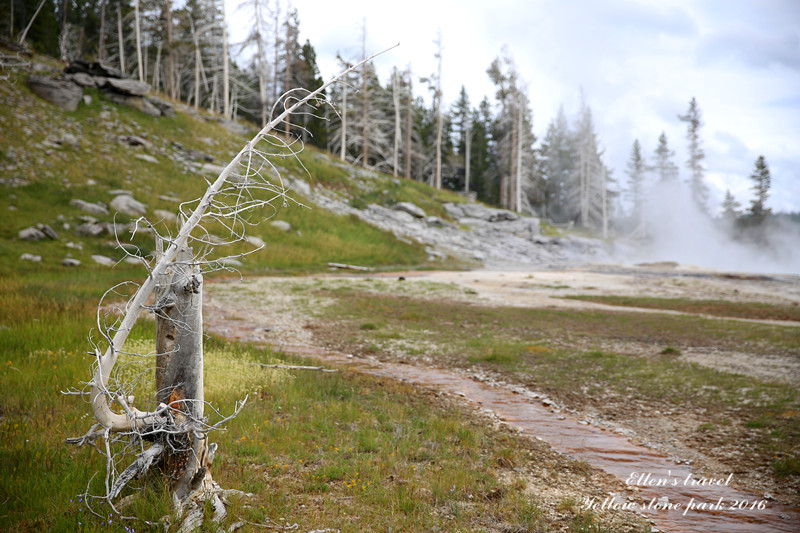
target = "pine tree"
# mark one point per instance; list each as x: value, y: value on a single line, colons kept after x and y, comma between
x: 665, y: 168
x: 730, y: 207
x: 557, y: 169
x: 696, y: 156
x: 761, y: 183
x: 635, y: 170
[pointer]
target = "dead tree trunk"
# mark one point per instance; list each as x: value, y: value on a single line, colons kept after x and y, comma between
x: 187, y: 455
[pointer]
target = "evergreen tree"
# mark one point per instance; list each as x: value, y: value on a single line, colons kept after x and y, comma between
x: 483, y: 158
x: 664, y: 166
x: 730, y: 207
x: 635, y: 170
x: 696, y: 156
x: 557, y: 169
x: 761, y: 183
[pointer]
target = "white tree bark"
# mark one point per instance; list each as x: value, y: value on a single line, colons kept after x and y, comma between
x: 120, y: 40
x: 437, y: 180
x: 397, y: 129
x: 137, y: 25
x: 468, y: 154
x: 343, y: 153
x: 226, y: 83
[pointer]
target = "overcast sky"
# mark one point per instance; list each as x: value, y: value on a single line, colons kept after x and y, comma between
x: 639, y: 63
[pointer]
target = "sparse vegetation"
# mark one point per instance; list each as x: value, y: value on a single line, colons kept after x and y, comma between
x: 723, y: 308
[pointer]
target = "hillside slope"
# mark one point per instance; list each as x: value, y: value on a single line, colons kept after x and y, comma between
x: 64, y: 171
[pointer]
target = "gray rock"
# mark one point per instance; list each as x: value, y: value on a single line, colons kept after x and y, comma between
x: 255, y: 241
x: 82, y: 79
x: 94, y: 208
x: 94, y: 69
x: 147, y: 158
x: 70, y: 262
x: 103, y: 260
x: 132, y: 260
x: 48, y: 231
x: 67, y: 139
x: 301, y: 186
x: 165, y: 107
x: 134, y: 140
x: 62, y: 93
x: 230, y: 262
x: 31, y: 257
x: 128, y: 87
x: 90, y: 229
x: 281, y: 225
x: 127, y: 205
x: 136, y: 102
x: 209, y: 168
x: 411, y: 209
x: 31, y: 234
x: 87, y: 99
x: 167, y: 216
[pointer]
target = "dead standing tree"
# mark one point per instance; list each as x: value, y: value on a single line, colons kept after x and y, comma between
x: 175, y: 433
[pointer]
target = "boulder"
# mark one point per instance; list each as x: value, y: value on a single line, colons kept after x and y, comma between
x: 134, y: 140
x: 411, y: 209
x: 67, y: 139
x: 48, y: 231
x: 93, y: 69
x: 281, y: 225
x: 127, y: 205
x: 136, y: 102
x: 166, y: 216
x: 31, y: 234
x: 31, y: 257
x: 230, y: 262
x: 62, y: 93
x: 70, y: 262
x: 90, y: 229
x: 128, y: 87
x: 103, y: 260
x: 94, y: 208
x: 165, y: 107
x: 147, y: 158
x: 255, y: 241
x: 82, y: 79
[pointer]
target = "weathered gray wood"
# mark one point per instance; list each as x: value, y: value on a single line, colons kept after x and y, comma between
x: 179, y: 365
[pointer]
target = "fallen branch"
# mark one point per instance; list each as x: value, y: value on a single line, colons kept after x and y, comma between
x: 348, y: 267
x: 297, y: 367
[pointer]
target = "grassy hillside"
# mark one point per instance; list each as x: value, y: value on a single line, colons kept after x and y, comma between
x: 41, y: 174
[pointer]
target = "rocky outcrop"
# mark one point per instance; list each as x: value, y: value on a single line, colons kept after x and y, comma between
x: 60, y: 92
x: 491, y: 236
x: 66, y: 90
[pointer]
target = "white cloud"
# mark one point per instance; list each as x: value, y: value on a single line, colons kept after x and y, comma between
x: 639, y: 63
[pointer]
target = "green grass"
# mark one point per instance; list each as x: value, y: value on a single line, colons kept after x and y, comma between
x: 316, y: 449
x: 723, y: 308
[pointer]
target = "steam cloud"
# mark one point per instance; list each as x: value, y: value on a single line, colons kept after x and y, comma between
x: 677, y: 230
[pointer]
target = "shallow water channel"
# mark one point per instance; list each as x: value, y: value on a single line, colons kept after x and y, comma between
x: 670, y: 495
